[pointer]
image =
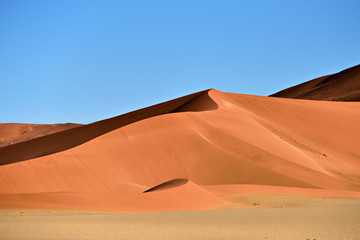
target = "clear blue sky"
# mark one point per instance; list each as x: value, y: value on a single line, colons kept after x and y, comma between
x: 83, y: 61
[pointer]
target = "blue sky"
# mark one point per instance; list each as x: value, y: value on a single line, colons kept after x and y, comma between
x: 83, y: 61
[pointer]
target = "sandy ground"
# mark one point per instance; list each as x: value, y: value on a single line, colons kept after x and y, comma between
x: 310, y: 222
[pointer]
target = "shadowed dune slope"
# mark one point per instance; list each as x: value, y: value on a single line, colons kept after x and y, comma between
x: 63, y: 140
x: 11, y: 133
x: 215, y: 139
x: 169, y: 184
x: 342, y: 86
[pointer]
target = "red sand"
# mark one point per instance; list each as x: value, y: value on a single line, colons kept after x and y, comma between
x: 225, y: 144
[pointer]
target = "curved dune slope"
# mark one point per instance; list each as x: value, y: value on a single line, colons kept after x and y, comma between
x: 342, y: 86
x: 61, y: 141
x: 11, y: 133
x: 224, y: 144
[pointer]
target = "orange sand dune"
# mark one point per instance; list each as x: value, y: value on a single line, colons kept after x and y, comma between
x: 342, y: 86
x: 61, y: 141
x: 187, y: 151
x: 11, y: 133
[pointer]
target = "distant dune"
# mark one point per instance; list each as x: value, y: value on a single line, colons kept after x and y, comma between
x: 342, y: 86
x: 203, y: 151
x: 11, y: 133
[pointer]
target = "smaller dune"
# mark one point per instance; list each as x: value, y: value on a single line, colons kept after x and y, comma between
x: 167, y: 185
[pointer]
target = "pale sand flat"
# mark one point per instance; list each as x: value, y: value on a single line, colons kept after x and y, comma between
x: 312, y: 222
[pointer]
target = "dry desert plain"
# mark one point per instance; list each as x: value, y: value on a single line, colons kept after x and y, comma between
x: 210, y: 165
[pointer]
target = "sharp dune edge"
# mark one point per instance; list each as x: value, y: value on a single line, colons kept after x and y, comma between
x: 169, y: 184
x: 70, y: 138
x: 222, y: 147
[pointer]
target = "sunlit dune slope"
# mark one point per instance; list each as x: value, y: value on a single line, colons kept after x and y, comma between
x: 11, y: 133
x: 342, y: 86
x: 195, y: 156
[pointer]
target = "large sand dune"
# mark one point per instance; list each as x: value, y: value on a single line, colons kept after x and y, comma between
x: 63, y: 140
x: 202, y: 151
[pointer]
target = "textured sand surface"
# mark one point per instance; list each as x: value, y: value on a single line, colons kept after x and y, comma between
x: 338, y: 222
x: 11, y: 133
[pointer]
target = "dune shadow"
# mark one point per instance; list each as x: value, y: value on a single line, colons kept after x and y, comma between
x: 200, y: 103
x: 64, y: 140
x: 167, y: 185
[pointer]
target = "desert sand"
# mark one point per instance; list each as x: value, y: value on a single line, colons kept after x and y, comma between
x: 283, y: 163
x: 310, y: 222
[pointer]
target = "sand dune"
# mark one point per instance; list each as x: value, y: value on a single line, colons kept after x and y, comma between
x: 342, y: 86
x: 12, y: 133
x: 202, y: 151
x: 63, y: 140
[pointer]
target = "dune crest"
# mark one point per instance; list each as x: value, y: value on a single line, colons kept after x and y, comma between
x: 70, y: 138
